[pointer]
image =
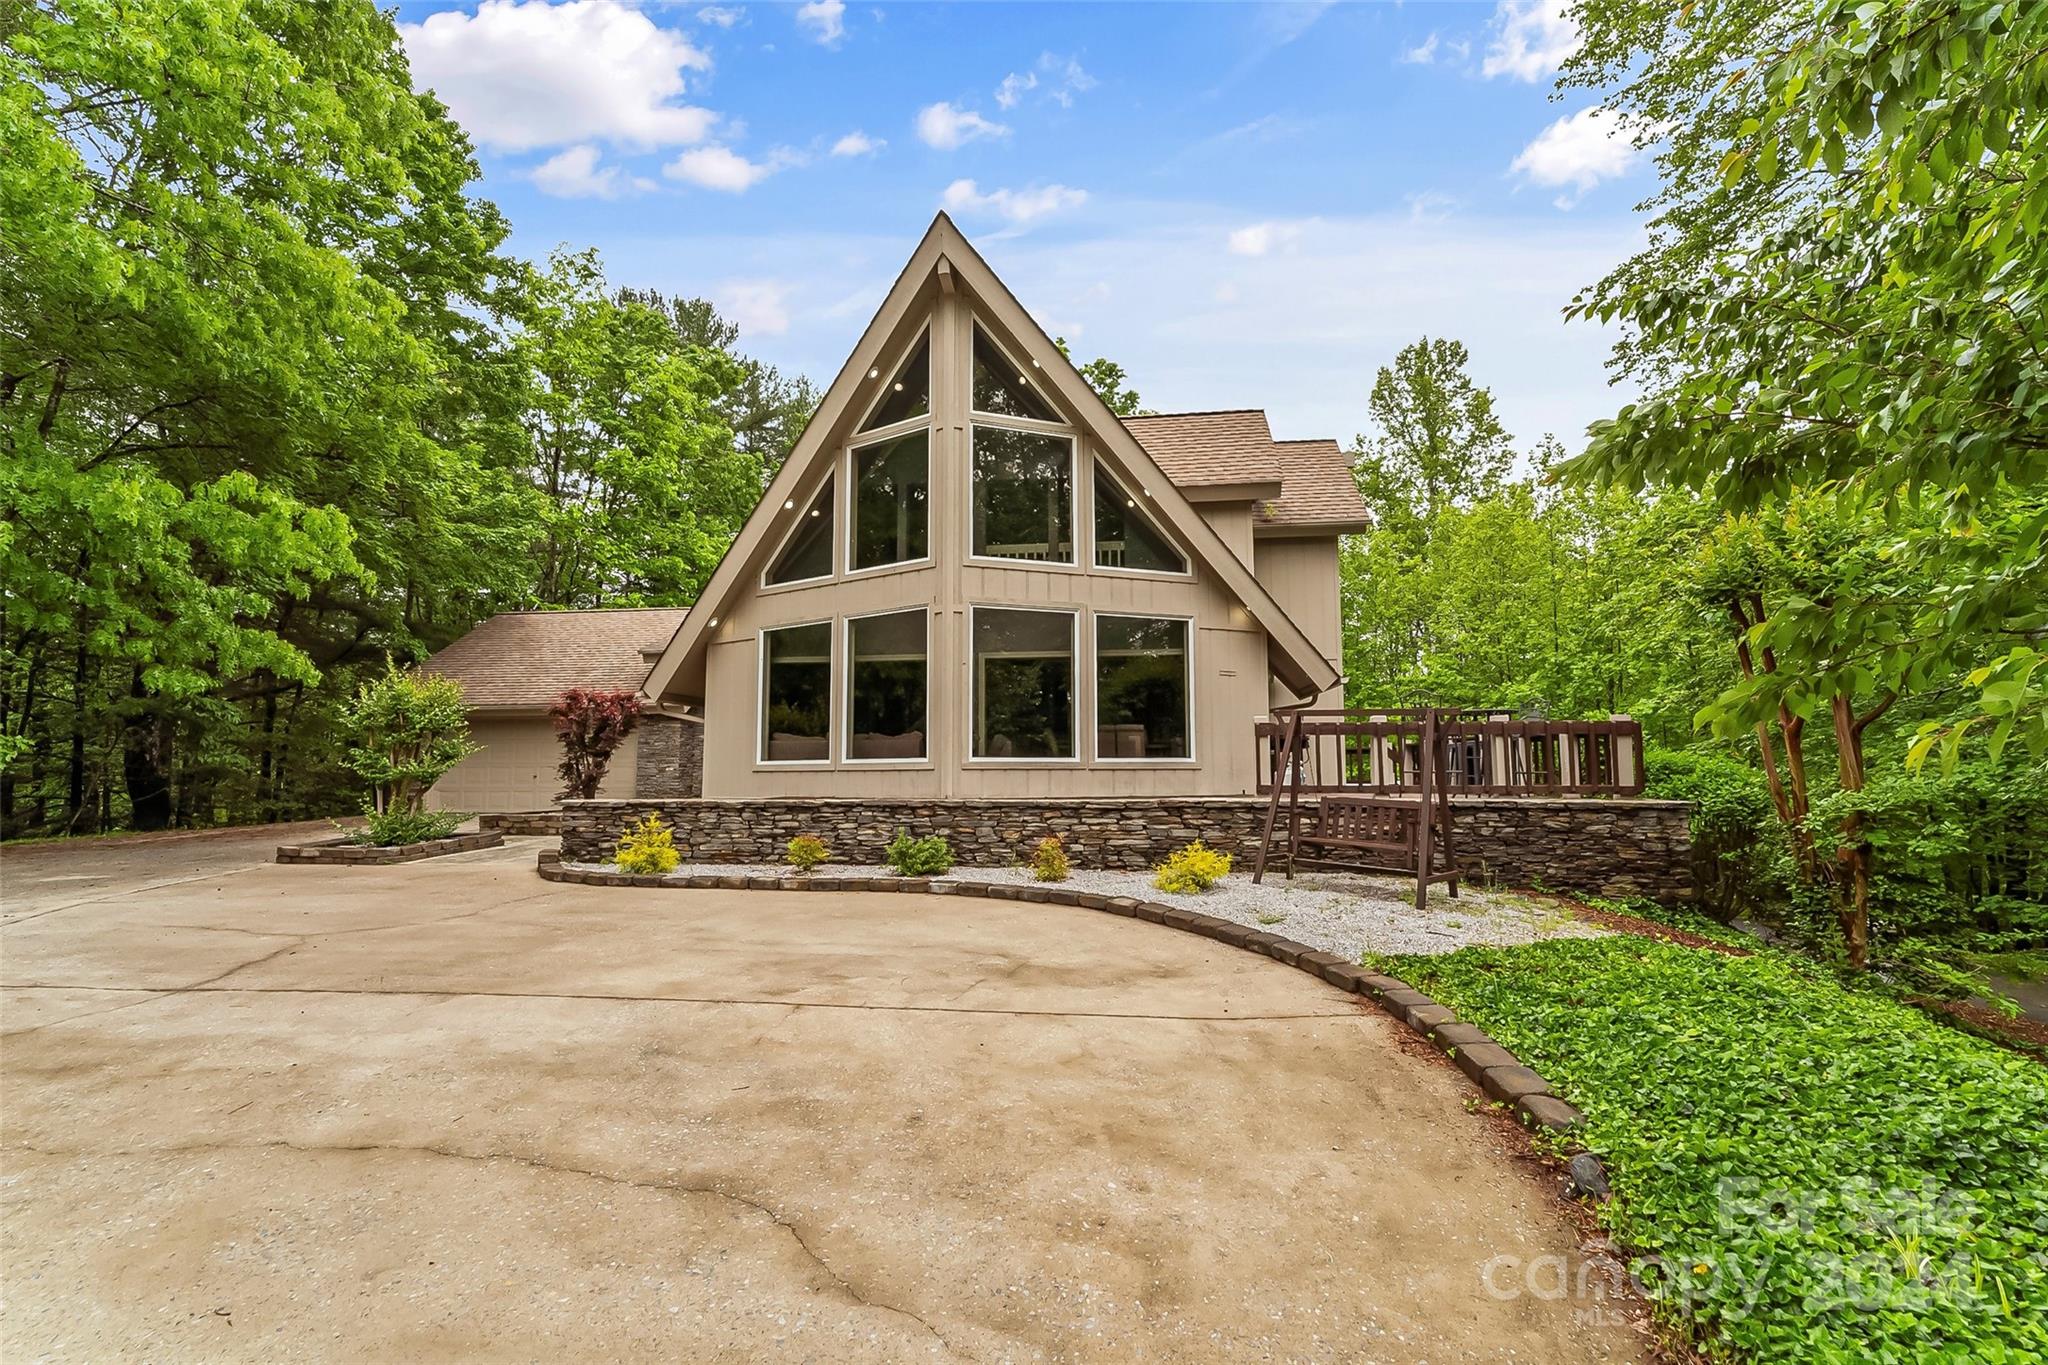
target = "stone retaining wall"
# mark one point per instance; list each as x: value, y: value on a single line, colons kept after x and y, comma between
x: 521, y: 821
x: 348, y: 853
x: 1603, y: 847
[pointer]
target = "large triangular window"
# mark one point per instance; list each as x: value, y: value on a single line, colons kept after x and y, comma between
x: 1125, y: 534
x: 910, y: 393
x: 1004, y: 389
x: 807, y: 554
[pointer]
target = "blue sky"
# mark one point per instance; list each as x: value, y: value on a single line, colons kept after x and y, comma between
x: 1247, y: 205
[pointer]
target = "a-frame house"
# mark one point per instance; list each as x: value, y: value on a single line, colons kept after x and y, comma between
x: 972, y: 579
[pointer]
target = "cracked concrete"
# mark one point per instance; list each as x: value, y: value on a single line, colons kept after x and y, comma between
x: 444, y: 1110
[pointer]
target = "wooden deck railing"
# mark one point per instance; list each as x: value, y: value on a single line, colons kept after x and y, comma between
x: 1379, y: 752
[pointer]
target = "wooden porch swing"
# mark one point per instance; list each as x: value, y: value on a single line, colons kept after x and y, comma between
x: 1397, y: 834
x: 1383, y: 780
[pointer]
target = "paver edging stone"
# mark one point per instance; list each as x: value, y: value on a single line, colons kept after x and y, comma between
x: 345, y: 852
x: 1491, y: 1067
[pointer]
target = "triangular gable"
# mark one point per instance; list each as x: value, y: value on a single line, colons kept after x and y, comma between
x: 944, y: 260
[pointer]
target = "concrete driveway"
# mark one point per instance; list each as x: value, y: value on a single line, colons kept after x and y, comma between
x: 447, y: 1109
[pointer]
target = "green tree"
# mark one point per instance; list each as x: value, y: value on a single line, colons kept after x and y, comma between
x: 1840, y: 292
x: 1437, y: 440
x: 1109, y: 381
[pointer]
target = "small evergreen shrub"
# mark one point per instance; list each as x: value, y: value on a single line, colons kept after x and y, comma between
x: 649, y: 848
x: 390, y: 828
x: 1193, y: 869
x: 1049, y: 860
x: 930, y: 856
x: 806, y: 851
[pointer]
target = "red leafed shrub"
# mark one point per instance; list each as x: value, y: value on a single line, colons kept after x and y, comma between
x: 592, y: 724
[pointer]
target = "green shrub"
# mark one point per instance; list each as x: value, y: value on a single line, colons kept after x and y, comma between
x: 806, y: 851
x: 388, y: 829
x: 406, y: 730
x: 1806, y: 1172
x: 1049, y: 860
x: 649, y: 848
x: 1738, y: 842
x: 1192, y: 869
x: 930, y: 856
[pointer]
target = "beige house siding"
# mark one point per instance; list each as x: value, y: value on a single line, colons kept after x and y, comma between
x: 1302, y: 574
x: 515, y: 771
x: 1232, y: 522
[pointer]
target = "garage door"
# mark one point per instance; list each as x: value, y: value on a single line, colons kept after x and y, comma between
x: 516, y: 769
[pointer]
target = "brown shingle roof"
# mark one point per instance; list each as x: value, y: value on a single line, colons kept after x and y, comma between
x: 1207, y: 448
x: 1204, y: 449
x: 526, y: 658
x: 1316, y: 488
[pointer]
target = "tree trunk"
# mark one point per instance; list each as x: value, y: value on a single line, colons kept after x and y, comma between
x: 145, y: 742
x: 74, y: 804
x: 1852, y: 852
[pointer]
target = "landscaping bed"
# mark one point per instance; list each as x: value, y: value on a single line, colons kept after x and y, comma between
x: 1337, y: 913
x: 1805, y: 1172
x: 350, y: 853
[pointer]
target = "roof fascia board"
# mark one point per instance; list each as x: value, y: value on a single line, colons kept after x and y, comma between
x: 1302, y: 665
x: 729, y: 576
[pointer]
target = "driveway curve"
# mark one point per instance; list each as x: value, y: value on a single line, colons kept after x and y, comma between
x: 446, y: 1109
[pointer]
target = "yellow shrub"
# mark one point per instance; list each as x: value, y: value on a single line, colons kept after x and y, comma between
x: 1194, y: 868
x: 806, y: 851
x: 1049, y: 860
x: 648, y: 848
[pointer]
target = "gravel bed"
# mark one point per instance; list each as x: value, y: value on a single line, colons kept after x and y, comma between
x: 1339, y: 913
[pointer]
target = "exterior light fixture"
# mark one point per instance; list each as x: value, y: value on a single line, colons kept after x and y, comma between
x: 714, y: 623
x: 789, y: 504
x: 874, y: 374
x: 899, y: 388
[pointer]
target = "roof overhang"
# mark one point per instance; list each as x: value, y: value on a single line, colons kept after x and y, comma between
x: 1230, y: 492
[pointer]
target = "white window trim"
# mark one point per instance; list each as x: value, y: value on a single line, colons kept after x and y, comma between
x: 1075, y: 760
x: 886, y: 377
x: 1074, y: 529
x: 802, y: 510
x: 761, y: 759
x: 846, y: 757
x: 883, y: 437
x: 975, y: 324
x: 1095, y: 687
x: 1101, y: 466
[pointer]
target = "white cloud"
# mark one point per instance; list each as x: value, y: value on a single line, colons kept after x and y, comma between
x: 720, y: 16
x: 574, y: 173
x: 1014, y: 87
x: 525, y: 75
x: 1061, y: 78
x: 1019, y: 206
x: 1531, y: 39
x: 826, y: 19
x: 760, y: 307
x: 944, y: 127
x: 723, y: 169
x: 1423, y: 53
x: 857, y: 143
x: 1260, y: 239
x: 1579, y: 150
x: 1429, y: 206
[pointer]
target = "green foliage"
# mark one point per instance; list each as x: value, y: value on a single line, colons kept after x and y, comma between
x: 408, y: 729
x: 1439, y: 442
x: 1805, y: 1172
x: 806, y: 851
x: 1840, y: 294
x: 1109, y: 381
x: 930, y: 856
x: 1737, y: 842
x: 1049, y: 861
x: 649, y: 848
x: 275, y: 408
x: 1190, y: 870
x: 390, y: 828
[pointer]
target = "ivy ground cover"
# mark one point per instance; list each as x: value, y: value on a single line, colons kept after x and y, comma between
x: 1803, y: 1172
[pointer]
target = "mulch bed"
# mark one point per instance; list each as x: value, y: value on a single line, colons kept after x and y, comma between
x: 2023, y: 1035
x: 1645, y: 928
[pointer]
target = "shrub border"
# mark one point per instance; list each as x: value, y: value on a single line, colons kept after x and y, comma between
x: 1500, y: 1076
x: 348, y: 853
